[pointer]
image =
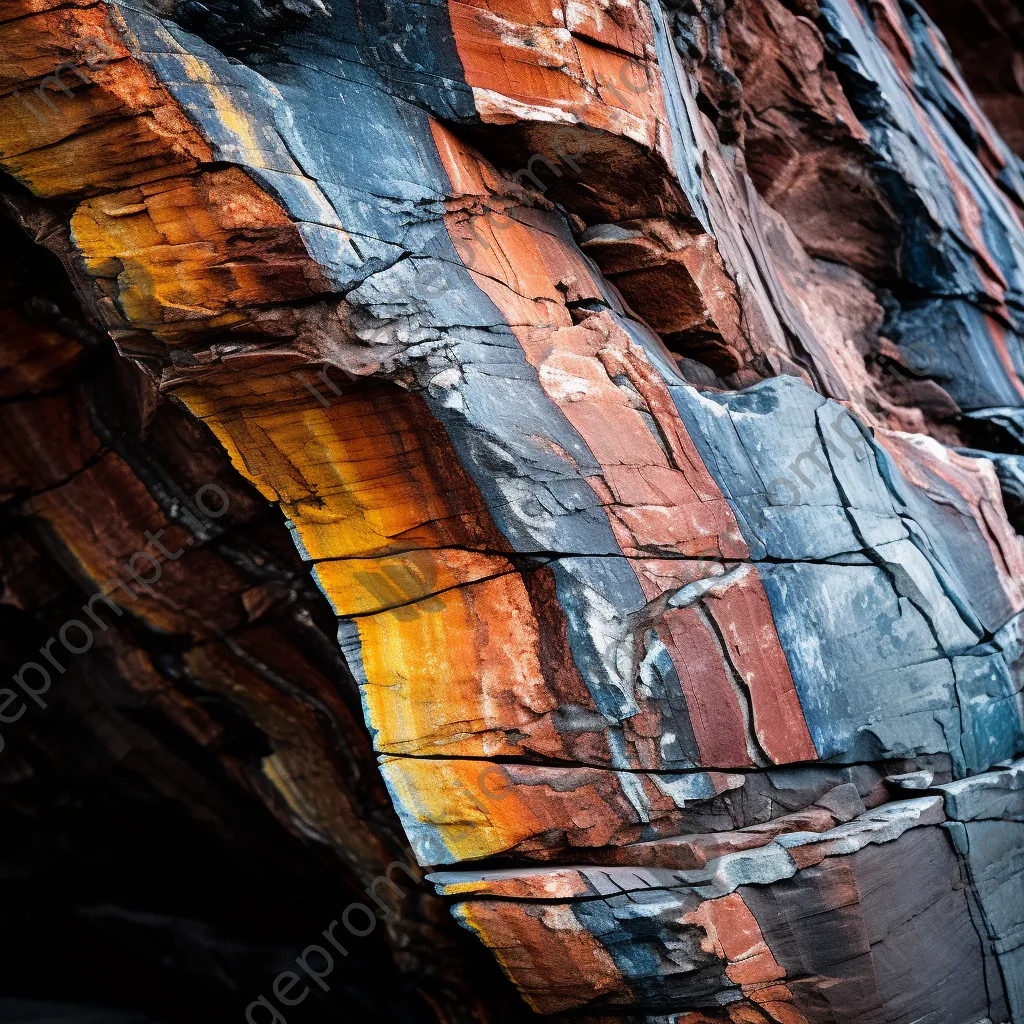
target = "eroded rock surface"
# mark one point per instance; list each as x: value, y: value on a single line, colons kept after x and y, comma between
x: 640, y: 384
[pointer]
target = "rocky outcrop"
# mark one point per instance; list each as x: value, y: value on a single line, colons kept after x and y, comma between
x: 640, y: 385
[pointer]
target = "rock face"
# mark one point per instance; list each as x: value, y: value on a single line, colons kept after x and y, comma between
x: 640, y: 384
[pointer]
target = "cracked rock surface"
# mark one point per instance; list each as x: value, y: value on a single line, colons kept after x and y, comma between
x: 578, y: 456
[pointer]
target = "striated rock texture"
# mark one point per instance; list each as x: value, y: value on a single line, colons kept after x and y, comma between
x: 556, y: 468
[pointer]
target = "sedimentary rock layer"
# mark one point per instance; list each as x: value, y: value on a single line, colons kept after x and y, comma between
x: 640, y: 385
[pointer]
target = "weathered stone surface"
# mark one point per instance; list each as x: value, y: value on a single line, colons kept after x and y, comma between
x: 640, y: 385
x: 782, y: 924
x: 986, y: 824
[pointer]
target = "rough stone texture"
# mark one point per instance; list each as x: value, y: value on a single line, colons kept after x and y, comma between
x: 610, y: 419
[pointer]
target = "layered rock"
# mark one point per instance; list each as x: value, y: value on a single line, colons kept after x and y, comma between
x: 640, y: 385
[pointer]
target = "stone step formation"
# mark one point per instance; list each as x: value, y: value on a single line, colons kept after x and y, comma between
x: 573, y: 451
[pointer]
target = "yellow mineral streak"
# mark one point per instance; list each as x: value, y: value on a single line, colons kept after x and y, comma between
x: 194, y: 252
x: 69, y: 82
x: 472, y: 809
x: 446, y: 636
